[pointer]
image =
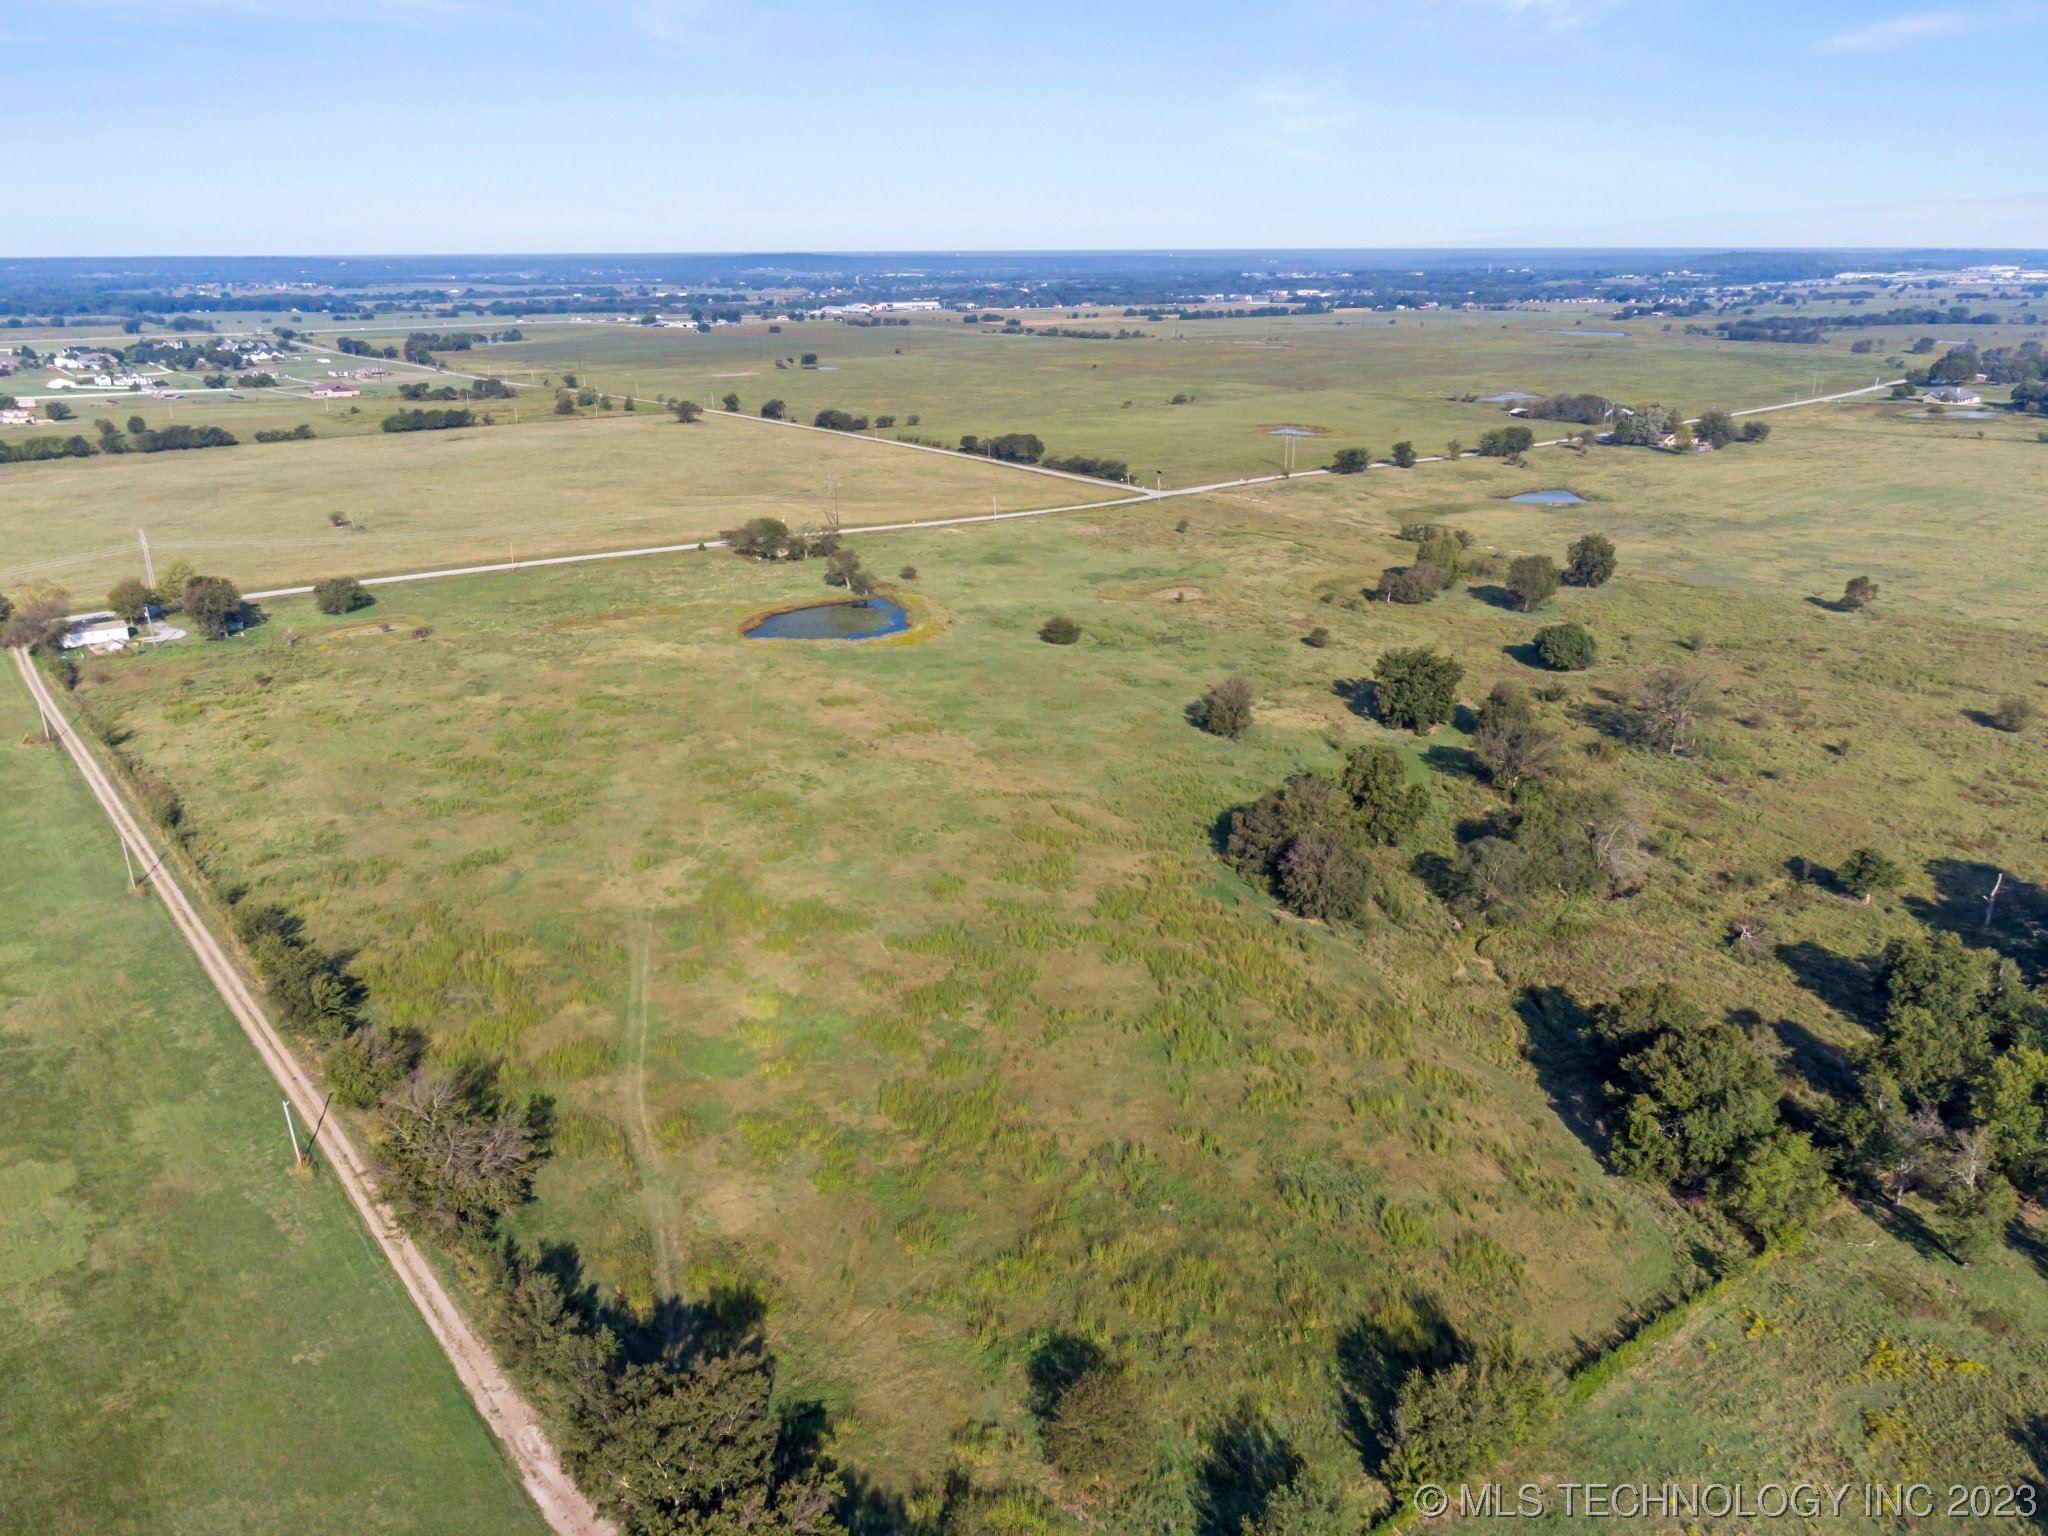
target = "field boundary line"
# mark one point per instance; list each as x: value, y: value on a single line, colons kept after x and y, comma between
x: 502, y: 1406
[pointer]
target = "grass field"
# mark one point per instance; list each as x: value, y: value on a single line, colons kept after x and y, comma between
x: 195, y: 1340
x: 899, y: 982
x: 261, y: 513
x: 1367, y: 379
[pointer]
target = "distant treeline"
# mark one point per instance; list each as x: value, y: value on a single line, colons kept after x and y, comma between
x: 480, y: 389
x: 428, y: 421
x: 138, y: 439
x: 1809, y: 329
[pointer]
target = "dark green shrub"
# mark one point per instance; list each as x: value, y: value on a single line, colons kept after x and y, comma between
x: 1059, y: 631
x: 1566, y: 647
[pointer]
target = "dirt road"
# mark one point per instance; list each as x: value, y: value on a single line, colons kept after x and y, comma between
x: 510, y: 1416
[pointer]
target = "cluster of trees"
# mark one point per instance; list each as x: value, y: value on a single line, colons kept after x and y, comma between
x: 839, y: 421
x: 1695, y: 1108
x: 1011, y: 447
x: 1440, y: 554
x: 142, y: 438
x: 1587, y: 410
x: 1416, y: 689
x: 1508, y: 443
x: 421, y: 346
x: 1952, y: 1096
x: 769, y: 538
x: 479, y: 389
x: 1308, y: 842
x: 355, y: 347
x: 299, y: 434
x: 1090, y: 465
x: 433, y: 420
x: 28, y: 450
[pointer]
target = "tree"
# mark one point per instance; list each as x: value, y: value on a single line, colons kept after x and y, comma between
x: 760, y: 538
x: 688, y: 411
x: 1509, y: 743
x: 1349, y: 461
x: 1645, y: 426
x: 693, y: 1452
x: 38, y: 619
x: 1533, y: 580
x: 1590, y: 561
x: 1225, y: 710
x: 836, y: 420
x: 1566, y: 647
x: 1416, y: 688
x: 2014, y: 713
x: 1317, y: 638
x: 1688, y: 1100
x: 1447, y: 1422
x: 1973, y: 1218
x: 1417, y: 583
x: 1321, y: 876
x: 731, y: 401
x: 131, y: 599
x: 1714, y: 428
x: 454, y: 1159
x: 1506, y: 442
x: 1777, y: 1187
x: 773, y: 410
x: 1668, y: 710
x: 1754, y: 431
x: 1059, y: 631
x: 1860, y: 592
x: 176, y: 578
x: 1404, y: 455
x: 57, y: 410
x: 1100, y: 1434
x: 1454, y: 449
x: 214, y: 604
x: 1385, y: 806
x: 341, y: 594
x: 1866, y: 872
x: 1311, y: 1503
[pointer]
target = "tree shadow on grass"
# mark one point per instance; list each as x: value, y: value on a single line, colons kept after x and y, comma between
x: 1444, y: 758
x: 1849, y: 986
x: 1246, y: 1463
x: 2019, y: 920
x: 1374, y: 1357
x: 1566, y: 1069
x: 1823, y: 1066
x: 2031, y: 1436
x: 1526, y: 653
x: 1608, y: 713
x: 1060, y: 1360
x: 1495, y: 596
x: 1360, y: 696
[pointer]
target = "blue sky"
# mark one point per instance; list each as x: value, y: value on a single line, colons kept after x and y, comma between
x: 255, y: 126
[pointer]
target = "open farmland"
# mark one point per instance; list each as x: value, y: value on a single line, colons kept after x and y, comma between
x: 196, y: 1341
x: 265, y: 514
x: 899, y: 984
x: 1367, y: 379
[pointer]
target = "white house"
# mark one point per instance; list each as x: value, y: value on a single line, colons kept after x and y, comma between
x: 1951, y: 394
x: 14, y: 416
x: 96, y: 632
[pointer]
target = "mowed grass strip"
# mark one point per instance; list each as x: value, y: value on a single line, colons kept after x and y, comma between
x: 196, y: 1340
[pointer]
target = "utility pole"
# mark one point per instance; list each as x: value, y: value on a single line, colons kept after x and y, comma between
x: 292, y: 1130
x: 129, y: 862
x: 148, y: 565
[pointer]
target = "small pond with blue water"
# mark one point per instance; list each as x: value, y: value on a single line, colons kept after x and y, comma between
x: 832, y: 621
x: 1556, y: 497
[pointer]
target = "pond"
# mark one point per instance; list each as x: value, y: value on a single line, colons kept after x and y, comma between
x: 832, y: 621
x: 1952, y: 415
x: 1557, y: 496
x: 1295, y: 432
x: 1575, y: 331
x: 1506, y: 395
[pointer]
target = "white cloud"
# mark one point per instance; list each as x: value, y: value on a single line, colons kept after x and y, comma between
x: 1910, y: 28
x: 1296, y: 122
x: 668, y: 21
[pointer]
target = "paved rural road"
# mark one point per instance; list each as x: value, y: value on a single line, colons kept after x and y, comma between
x: 1135, y: 496
x: 510, y: 1416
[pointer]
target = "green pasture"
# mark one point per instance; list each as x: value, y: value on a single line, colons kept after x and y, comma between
x: 264, y: 513
x: 194, y: 1340
x: 1368, y: 380
x: 899, y: 982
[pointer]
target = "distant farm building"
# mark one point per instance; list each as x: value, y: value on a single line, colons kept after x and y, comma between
x: 97, y: 632
x: 1951, y: 394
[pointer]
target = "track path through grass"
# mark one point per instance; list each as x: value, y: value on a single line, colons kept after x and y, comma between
x: 653, y: 1171
x: 509, y: 1415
